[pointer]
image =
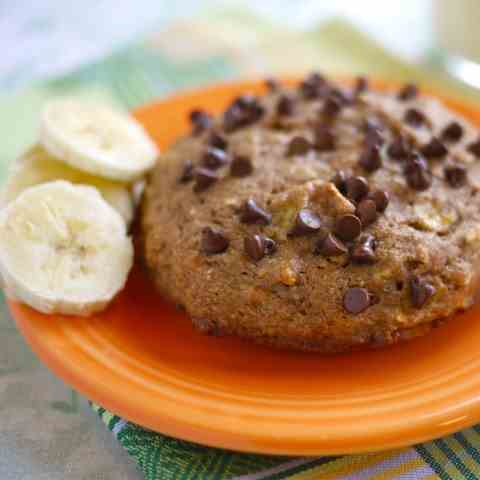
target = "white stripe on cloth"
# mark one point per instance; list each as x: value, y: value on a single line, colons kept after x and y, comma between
x: 278, y: 469
x: 417, y: 474
x: 118, y: 427
x: 391, y: 462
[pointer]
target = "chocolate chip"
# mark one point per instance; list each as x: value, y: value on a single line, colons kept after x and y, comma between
x: 200, y: 121
x: 197, y: 115
x: 370, y: 159
x: 187, y: 172
x: 306, y: 222
x: 366, y: 211
x: 213, y: 241
x: 217, y: 141
x: 340, y: 181
x: 368, y: 240
x: 453, y: 132
x: 408, y: 92
x: 373, y: 138
x: 357, y: 188
x: 324, y: 138
x: 298, y: 146
x: 270, y: 246
x: 245, y: 101
x: 474, y: 148
x: 420, y: 291
x: 316, y: 77
x: 381, y: 199
x: 313, y: 86
x: 285, y: 106
x: 214, y: 158
x: 348, y: 227
x: 363, y: 252
x: 252, y: 213
x: 417, y: 174
x: 398, y: 149
x: 373, y: 133
x: 204, y: 178
x: 241, y: 166
x: 361, y: 85
x: 257, y: 246
x: 372, y: 123
x: 361, y: 255
x: 343, y: 97
x: 455, y: 175
x: 255, y: 111
x: 272, y: 84
x: 332, y: 106
x: 414, y: 117
x: 330, y: 246
x: 232, y: 118
x: 356, y: 300
x: 243, y: 111
x: 434, y: 149
x: 254, y: 247
x: 310, y: 91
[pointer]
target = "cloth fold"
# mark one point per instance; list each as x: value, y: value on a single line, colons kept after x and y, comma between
x: 217, y: 46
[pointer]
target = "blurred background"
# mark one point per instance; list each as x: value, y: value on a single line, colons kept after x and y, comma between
x: 52, y: 37
x: 128, y: 52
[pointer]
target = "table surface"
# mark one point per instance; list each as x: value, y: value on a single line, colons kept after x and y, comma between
x: 47, y: 431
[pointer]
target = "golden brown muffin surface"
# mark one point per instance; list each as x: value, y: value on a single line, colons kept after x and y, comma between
x: 318, y: 218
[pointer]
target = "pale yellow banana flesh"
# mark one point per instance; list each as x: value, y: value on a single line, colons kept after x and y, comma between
x: 63, y: 249
x: 37, y: 166
x: 97, y: 140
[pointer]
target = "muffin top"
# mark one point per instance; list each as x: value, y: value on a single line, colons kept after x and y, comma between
x: 320, y: 216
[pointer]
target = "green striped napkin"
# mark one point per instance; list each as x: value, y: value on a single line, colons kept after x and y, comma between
x: 215, y: 47
x: 166, y: 458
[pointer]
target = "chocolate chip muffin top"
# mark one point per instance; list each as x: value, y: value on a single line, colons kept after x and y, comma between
x: 321, y: 217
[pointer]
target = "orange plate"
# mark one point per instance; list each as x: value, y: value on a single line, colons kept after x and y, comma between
x: 143, y: 360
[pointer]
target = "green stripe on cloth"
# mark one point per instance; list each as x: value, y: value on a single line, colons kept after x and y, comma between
x: 153, y: 451
x: 432, y: 460
x: 471, y: 450
x: 455, y: 459
x: 213, y: 47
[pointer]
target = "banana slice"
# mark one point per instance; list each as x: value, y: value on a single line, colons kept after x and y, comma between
x: 96, y: 139
x: 63, y: 249
x: 36, y: 166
